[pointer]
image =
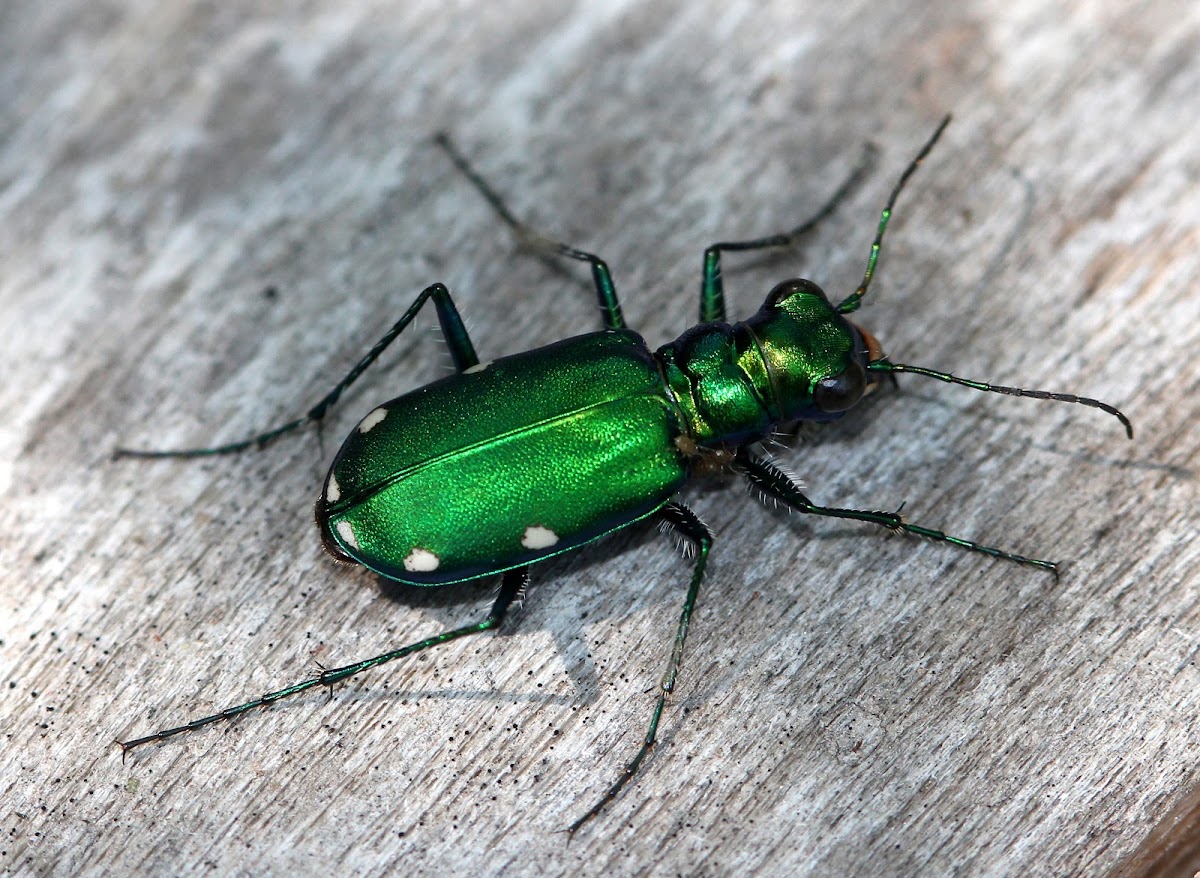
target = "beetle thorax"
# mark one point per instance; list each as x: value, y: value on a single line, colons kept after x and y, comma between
x: 796, y: 359
x: 717, y: 376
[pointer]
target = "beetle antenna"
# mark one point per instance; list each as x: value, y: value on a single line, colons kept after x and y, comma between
x: 852, y: 301
x: 891, y: 368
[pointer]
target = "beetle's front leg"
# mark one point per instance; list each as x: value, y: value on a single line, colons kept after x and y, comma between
x: 712, y: 286
x: 765, y: 474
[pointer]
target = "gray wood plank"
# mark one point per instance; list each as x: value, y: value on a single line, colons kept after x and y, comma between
x: 207, y: 213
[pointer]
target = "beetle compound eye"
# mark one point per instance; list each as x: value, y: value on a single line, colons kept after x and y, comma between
x: 841, y: 391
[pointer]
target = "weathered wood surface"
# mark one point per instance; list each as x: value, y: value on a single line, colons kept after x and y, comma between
x: 852, y: 703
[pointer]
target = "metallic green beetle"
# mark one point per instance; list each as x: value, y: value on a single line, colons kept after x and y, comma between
x: 512, y: 461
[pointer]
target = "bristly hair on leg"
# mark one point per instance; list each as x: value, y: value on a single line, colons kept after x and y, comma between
x: 772, y: 464
x: 683, y: 545
x: 518, y: 599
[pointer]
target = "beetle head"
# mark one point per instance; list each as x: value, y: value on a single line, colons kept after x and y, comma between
x: 815, y: 358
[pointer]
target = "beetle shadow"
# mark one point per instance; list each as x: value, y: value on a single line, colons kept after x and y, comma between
x: 465, y: 603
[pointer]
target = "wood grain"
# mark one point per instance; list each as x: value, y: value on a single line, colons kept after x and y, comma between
x: 209, y: 211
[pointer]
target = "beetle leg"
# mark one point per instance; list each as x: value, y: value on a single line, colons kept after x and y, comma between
x: 712, y: 288
x: 689, y: 525
x: 453, y: 330
x: 512, y: 587
x: 526, y: 236
x: 764, y: 473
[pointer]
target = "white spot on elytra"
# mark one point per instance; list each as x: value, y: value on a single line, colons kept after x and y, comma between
x: 332, y: 489
x: 346, y: 532
x: 538, y: 537
x: 372, y: 420
x: 478, y: 367
x: 421, y: 561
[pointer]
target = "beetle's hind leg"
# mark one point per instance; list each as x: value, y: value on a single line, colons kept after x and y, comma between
x: 512, y: 588
x: 453, y: 330
x: 606, y: 291
x: 687, y: 524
